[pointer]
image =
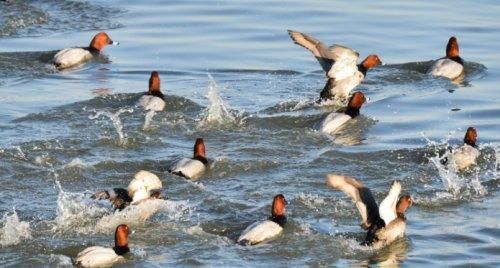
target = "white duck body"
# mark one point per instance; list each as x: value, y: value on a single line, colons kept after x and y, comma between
x: 97, y: 257
x: 333, y: 122
x: 341, y: 88
x: 141, y: 186
x: 70, y: 57
x: 465, y: 156
x: 394, y: 230
x: 447, y: 68
x: 150, y: 102
x: 259, y: 232
x: 189, y: 168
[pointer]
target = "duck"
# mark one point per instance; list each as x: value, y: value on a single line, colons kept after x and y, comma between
x: 451, y: 66
x: 145, y: 185
x: 466, y: 155
x: 154, y: 99
x: 97, y: 256
x: 192, y: 168
x: 70, y: 57
x: 339, y: 63
x: 384, y: 223
x: 268, y: 229
x: 333, y: 121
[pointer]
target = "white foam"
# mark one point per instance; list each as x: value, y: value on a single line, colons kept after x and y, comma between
x: 14, y: 231
x: 311, y: 200
x: 76, y: 163
x: 60, y: 260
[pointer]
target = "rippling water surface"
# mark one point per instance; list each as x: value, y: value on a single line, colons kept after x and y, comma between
x: 232, y: 76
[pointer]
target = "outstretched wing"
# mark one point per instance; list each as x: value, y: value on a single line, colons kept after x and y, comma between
x: 387, y: 209
x: 318, y: 49
x: 360, y: 195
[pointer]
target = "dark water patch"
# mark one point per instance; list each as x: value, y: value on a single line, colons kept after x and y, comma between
x: 36, y: 18
x: 26, y: 64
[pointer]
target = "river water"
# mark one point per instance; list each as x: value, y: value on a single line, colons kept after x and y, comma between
x: 232, y: 75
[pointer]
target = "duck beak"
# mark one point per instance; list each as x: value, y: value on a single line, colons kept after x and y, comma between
x: 113, y: 43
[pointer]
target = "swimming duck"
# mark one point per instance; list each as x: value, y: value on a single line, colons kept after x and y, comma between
x: 70, y: 57
x: 192, y: 168
x: 384, y: 224
x: 466, y: 155
x: 103, y: 257
x: 153, y: 99
x: 145, y: 185
x: 335, y: 120
x: 265, y: 230
x: 451, y: 66
x: 339, y: 63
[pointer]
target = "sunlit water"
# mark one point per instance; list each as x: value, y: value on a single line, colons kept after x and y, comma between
x: 232, y: 76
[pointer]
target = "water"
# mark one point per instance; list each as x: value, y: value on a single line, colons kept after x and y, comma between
x: 232, y: 76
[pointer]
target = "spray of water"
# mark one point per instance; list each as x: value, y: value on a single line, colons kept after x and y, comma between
x: 148, y: 119
x: 454, y: 181
x: 218, y: 113
x: 77, y: 213
x: 117, y: 123
x: 14, y: 230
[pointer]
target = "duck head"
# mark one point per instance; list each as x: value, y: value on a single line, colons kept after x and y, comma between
x: 199, y: 148
x: 452, y: 48
x: 154, y: 82
x: 371, y: 61
x: 403, y: 204
x: 101, y: 40
x: 470, y: 137
x: 121, y: 236
x: 279, y: 204
x: 357, y: 100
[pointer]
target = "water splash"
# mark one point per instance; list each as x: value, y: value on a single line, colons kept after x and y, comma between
x: 459, y: 184
x: 14, y: 230
x: 218, y: 114
x: 448, y: 174
x: 117, y: 123
x: 75, y: 210
x: 148, y: 119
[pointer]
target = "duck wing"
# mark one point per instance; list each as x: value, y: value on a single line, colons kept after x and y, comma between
x: 325, y: 58
x: 387, y: 209
x: 360, y: 195
x: 118, y: 197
